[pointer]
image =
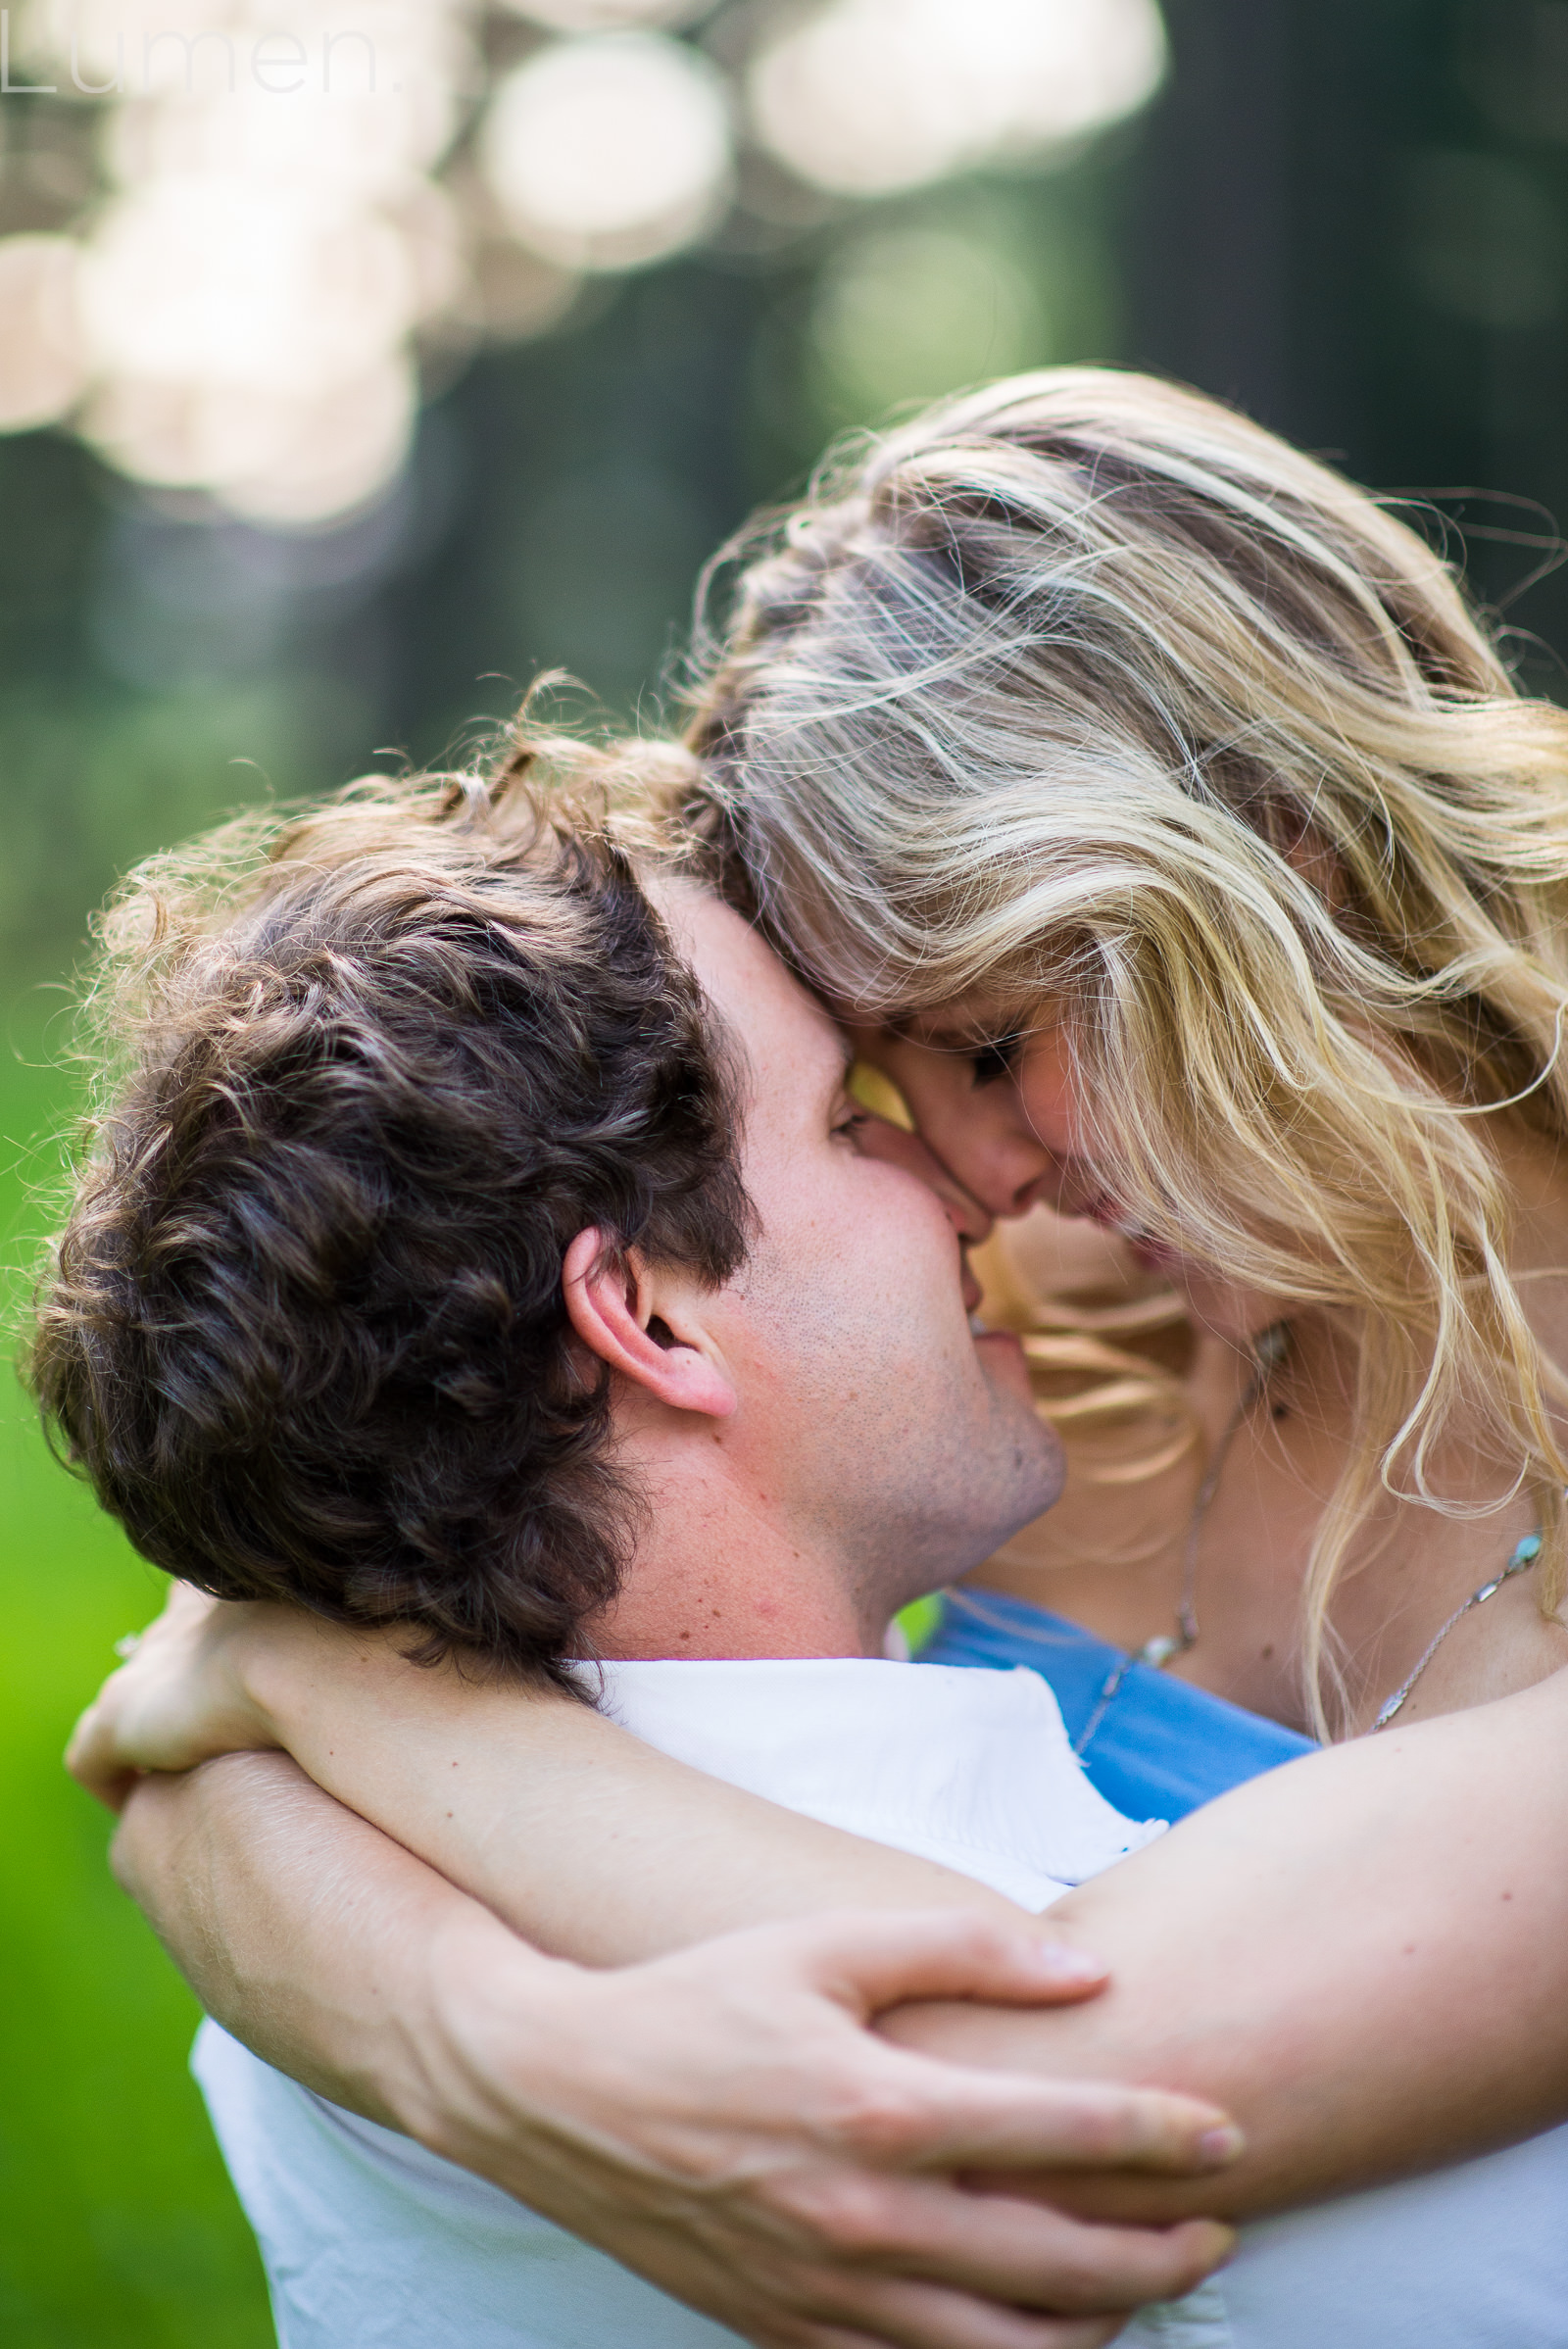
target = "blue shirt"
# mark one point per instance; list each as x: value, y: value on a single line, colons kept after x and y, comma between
x: 1158, y: 1746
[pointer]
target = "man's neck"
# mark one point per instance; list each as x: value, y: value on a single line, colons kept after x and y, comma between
x: 737, y: 1554
x: 732, y: 1586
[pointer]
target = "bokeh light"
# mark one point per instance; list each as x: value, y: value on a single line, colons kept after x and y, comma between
x: 606, y: 16
x: 281, y: 457
x: 609, y: 153
x: 868, y: 97
x: 334, y: 450
x: 268, y: 245
x: 292, y: 226
x: 354, y: 135
x: 904, y: 314
x: 44, y: 353
x: 216, y: 280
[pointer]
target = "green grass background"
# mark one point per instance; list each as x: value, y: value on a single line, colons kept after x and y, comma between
x: 118, y: 2227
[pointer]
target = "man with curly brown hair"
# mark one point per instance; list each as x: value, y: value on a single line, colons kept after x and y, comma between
x: 481, y: 1244
x: 371, y: 1071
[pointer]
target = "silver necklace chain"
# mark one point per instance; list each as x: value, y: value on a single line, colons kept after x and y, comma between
x: 1268, y: 1351
x: 1525, y: 1555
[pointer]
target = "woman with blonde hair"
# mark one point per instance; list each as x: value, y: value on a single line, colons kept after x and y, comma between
x: 1180, y: 846
x: 1174, y: 841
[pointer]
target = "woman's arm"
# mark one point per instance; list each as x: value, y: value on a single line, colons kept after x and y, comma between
x: 720, y: 2120
x: 493, y: 1784
x: 1364, y: 1956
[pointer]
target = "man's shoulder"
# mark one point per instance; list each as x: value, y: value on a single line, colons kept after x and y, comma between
x: 965, y: 1766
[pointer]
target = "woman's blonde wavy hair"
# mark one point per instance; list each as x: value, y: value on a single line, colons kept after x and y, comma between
x: 1083, y: 691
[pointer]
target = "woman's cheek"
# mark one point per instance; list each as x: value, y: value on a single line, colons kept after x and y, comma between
x: 1047, y: 1096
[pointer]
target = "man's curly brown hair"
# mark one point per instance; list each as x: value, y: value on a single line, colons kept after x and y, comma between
x: 368, y: 1073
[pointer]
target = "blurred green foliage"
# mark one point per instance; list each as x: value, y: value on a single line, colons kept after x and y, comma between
x: 118, y: 2227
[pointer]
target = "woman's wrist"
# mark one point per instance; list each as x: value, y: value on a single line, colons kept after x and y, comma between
x: 263, y: 1660
x: 489, y: 2025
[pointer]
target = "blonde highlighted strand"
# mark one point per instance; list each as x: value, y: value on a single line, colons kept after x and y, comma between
x: 1084, y: 690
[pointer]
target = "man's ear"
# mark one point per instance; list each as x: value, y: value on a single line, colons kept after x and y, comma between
x: 635, y: 1317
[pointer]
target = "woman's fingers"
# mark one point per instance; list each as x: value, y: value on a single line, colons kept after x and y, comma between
x: 925, y: 2317
x: 93, y: 1760
x: 948, y: 2321
x: 171, y: 1705
x: 892, y: 2313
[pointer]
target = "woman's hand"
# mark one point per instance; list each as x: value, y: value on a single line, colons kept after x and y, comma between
x: 723, y: 2121
x: 177, y: 1699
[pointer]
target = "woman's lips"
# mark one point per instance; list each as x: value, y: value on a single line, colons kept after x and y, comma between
x: 984, y: 1337
x: 1003, y: 1361
x: 1155, y: 1255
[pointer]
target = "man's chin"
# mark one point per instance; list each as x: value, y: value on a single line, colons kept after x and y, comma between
x: 1037, y: 1457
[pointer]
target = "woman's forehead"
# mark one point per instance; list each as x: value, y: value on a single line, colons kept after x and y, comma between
x: 982, y: 1016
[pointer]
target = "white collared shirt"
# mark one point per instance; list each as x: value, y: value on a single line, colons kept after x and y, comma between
x: 370, y: 2242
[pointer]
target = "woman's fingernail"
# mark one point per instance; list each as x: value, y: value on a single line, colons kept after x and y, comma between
x: 1075, y: 1965
x: 1220, y: 2145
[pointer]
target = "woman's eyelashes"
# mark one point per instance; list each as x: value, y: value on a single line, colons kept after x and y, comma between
x: 995, y: 1059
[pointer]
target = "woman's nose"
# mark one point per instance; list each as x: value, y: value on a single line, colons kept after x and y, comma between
x: 1009, y: 1175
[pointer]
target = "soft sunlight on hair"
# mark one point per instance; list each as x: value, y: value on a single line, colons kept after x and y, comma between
x: 1084, y: 685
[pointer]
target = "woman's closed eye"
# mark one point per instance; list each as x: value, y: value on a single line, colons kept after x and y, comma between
x: 997, y: 1058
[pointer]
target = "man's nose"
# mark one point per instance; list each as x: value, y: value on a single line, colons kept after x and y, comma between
x: 971, y: 1221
